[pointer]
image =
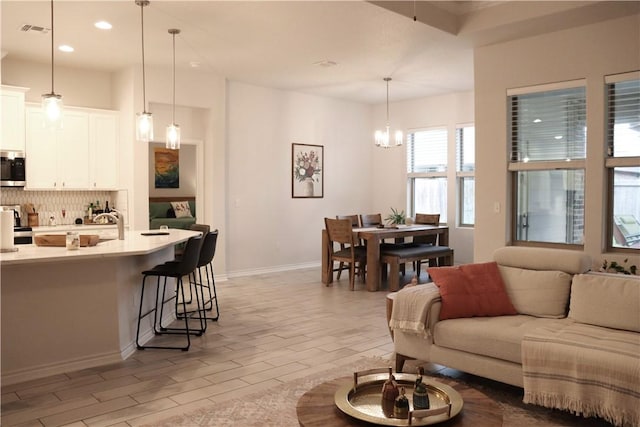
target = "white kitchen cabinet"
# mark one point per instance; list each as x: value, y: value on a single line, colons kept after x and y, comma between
x: 103, y: 151
x: 12, y: 113
x: 57, y: 159
x: 80, y: 156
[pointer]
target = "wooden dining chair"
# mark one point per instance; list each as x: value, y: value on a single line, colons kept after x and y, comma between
x: 370, y: 220
x: 340, y: 233
x: 355, y: 222
x: 426, y: 219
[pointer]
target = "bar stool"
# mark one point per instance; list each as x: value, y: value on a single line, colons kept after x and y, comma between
x: 186, y: 266
x: 205, y: 261
x: 207, y: 252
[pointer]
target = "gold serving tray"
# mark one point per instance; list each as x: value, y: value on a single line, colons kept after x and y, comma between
x: 362, y: 399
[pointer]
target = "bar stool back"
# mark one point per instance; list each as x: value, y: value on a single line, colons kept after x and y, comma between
x: 176, y: 270
x: 207, y: 252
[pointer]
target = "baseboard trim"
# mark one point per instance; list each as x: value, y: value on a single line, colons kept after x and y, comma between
x: 60, y: 368
x: 273, y: 269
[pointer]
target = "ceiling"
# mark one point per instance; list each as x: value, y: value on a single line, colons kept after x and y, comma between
x: 287, y: 44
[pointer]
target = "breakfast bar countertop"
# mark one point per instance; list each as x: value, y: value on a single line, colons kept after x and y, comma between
x: 134, y: 244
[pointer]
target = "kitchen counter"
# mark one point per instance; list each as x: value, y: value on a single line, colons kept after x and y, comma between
x: 133, y: 244
x: 65, y: 310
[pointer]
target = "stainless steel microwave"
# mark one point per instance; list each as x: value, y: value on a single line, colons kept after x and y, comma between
x: 12, y: 165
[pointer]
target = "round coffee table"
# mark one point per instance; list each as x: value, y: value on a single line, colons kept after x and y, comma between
x: 317, y: 408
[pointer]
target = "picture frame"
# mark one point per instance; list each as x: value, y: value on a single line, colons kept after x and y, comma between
x: 307, y: 171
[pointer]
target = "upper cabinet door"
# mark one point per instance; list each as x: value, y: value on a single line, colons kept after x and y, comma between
x: 41, y: 151
x: 12, y: 113
x: 103, y: 151
x: 72, y: 142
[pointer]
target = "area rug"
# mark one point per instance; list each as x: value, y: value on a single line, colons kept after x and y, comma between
x: 276, y: 407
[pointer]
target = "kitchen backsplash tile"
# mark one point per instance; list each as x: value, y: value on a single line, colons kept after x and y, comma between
x: 51, y: 203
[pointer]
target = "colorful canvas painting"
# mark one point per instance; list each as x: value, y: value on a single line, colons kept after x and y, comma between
x: 167, y: 168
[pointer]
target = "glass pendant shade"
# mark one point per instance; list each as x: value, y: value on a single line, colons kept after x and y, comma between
x: 173, y: 137
x: 144, y: 127
x: 52, y: 108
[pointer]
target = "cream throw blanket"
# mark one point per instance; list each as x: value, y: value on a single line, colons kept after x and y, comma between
x: 585, y: 369
x: 411, y: 308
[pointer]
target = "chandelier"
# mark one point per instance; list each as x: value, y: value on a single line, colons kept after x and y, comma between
x: 383, y: 137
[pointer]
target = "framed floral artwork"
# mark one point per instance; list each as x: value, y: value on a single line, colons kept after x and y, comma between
x: 307, y: 164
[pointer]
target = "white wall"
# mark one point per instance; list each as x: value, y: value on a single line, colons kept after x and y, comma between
x: 81, y: 88
x: 389, y: 172
x: 267, y: 227
x: 590, y: 52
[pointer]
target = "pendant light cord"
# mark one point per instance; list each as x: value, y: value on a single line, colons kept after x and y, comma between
x: 144, y: 88
x: 174, y: 78
x: 52, y: 50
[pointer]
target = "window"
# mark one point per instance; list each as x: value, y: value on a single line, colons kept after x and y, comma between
x: 427, y: 171
x: 623, y: 160
x: 548, y: 147
x: 465, y: 169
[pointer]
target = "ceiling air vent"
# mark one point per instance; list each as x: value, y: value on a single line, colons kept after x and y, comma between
x: 28, y: 28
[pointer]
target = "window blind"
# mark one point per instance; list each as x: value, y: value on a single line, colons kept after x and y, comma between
x: 548, y: 126
x: 465, y: 149
x: 427, y: 151
x: 623, y: 118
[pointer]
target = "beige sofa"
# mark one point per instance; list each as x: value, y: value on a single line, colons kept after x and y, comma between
x: 568, y: 321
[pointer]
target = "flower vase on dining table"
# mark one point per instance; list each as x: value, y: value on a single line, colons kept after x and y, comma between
x: 307, y: 187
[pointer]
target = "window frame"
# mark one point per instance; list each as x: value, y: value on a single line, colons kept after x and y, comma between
x: 611, y: 163
x: 515, y: 165
x: 412, y: 176
x: 461, y: 175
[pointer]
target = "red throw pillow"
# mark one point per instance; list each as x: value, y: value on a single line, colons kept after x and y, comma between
x: 471, y: 290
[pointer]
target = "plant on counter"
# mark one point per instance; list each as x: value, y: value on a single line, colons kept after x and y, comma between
x: 614, y: 267
x: 396, y: 217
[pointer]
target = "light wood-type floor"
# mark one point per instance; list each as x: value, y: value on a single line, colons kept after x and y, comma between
x: 273, y: 328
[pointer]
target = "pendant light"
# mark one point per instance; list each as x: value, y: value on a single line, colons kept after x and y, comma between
x: 383, y: 138
x: 144, y: 120
x: 173, y: 130
x: 52, y: 102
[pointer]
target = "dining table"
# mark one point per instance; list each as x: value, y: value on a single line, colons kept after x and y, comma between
x: 373, y: 237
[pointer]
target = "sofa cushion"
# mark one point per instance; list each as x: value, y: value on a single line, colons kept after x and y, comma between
x: 498, y: 337
x: 537, y: 293
x: 572, y: 262
x: 181, y: 209
x: 611, y: 301
x: 471, y: 290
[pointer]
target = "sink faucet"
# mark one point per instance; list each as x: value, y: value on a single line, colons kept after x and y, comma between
x: 117, y: 217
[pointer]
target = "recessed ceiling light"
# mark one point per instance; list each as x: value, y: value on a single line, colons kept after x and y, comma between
x: 537, y: 121
x: 325, y: 63
x: 194, y: 64
x: 103, y: 25
x: 558, y: 137
x: 65, y: 48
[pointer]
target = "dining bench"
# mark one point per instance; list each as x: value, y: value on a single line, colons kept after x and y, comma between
x: 404, y: 254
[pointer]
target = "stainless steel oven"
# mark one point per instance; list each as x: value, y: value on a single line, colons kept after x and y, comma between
x: 13, y: 169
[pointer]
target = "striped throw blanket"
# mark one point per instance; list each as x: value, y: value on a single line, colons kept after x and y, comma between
x: 584, y: 369
x: 411, y: 308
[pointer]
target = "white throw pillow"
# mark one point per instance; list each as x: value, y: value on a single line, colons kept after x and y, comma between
x: 611, y: 301
x: 182, y: 209
x: 540, y: 293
